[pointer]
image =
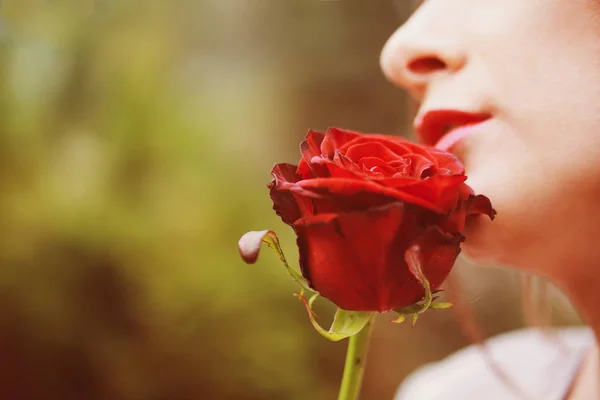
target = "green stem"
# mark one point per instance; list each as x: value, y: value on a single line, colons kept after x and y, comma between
x: 355, y: 363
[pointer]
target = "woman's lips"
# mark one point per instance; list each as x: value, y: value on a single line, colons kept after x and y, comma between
x: 444, y: 128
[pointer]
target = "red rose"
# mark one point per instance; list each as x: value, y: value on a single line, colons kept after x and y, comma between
x: 359, y: 202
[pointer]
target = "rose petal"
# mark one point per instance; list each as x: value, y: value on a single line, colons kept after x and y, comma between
x: 402, y: 147
x: 401, y: 167
x: 304, y: 170
x: 370, y: 149
x: 347, y: 164
x: 336, y: 138
x: 249, y: 247
x: 438, y: 252
x: 446, y: 160
x: 311, y: 145
x: 329, y: 206
x: 398, y: 145
x: 286, y: 204
x: 331, y: 169
x: 372, y: 164
x: 284, y: 174
x: 356, y: 259
x: 480, y: 204
x: 250, y: 243
x: 363, y: 193
x: 289, y: 207
x: 441, y: 190
x: 419, y: 164
x: 398, y: 182
x: 310, y: 148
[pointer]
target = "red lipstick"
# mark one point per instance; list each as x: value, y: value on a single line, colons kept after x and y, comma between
x: 444, y: 128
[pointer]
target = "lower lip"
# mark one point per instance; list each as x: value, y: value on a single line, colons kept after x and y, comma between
x: 457, y: 135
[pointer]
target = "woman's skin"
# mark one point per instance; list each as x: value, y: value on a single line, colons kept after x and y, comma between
x: 534, y: 66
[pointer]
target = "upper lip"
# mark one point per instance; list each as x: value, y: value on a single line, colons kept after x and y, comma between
x: 432, y: 125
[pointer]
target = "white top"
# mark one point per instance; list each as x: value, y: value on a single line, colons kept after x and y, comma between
x: 541, y: 366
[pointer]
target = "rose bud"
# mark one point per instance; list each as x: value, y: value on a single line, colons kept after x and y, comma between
x: 378, y: 219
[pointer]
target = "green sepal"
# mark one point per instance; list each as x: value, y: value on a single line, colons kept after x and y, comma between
x: 349, y: 322
x: 345, y: 323
x: 400, y: 319
x: 409, y: 310
x: 440, y: 305
x: 417, y: 308
x: 413, y: 260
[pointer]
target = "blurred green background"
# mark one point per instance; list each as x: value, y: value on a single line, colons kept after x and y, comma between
x: 136, y: 140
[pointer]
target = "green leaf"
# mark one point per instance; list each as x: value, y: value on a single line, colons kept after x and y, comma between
x: 345, y: 323
x: 249, y: 248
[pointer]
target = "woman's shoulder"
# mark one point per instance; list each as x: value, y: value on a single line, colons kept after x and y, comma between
x: 539, y: 364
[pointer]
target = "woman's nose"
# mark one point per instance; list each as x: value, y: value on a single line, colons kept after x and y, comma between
x: 414, y: 55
